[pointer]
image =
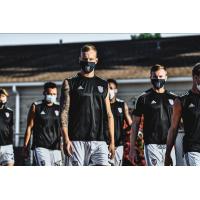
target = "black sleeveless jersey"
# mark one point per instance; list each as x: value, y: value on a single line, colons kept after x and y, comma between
x: 46, y: 129
x: 191, y: 120
x: 6, y: 126
x: 87, y: 112
x: 118, y: 112
x: 157, y: 111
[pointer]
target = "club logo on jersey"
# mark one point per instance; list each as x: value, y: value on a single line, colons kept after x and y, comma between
x: 120, y: 110
x: 56, y: 112
x: 191, y: 105
x: 80, y: 87
x: 42, y: 113
x: 171, y: 101
x: 153, y: 102
x: 7, y: 114
x: 100, y: 88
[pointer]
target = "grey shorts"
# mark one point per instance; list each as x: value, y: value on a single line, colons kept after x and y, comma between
x: 85, y: 153
x: 118, y: 159
x: 6, y: 155
x: 192, y: 158
x: 155, y: 154
x: 47, y: 157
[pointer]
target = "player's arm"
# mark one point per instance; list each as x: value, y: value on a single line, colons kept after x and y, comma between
x: 30, y: 124
x: 137, y: 115
x: 133, y: 137
x: 110, y: 126
x: 127, y: 116
x: 173, y: 130
x: 64, y: 116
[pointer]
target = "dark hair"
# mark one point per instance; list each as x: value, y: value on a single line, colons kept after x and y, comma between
x: 48, y: 85
x: 196, y: 70
x: 88, y: 47
x: 158, y: 67
x: 110, y: 80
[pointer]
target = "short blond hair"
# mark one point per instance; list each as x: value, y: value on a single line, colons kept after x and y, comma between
x: 88, y: 47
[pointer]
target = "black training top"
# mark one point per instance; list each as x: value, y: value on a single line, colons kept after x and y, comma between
x: 6, y: 126
x: 118, y: 112
x: 87, y: 112
x: 46, y: 129
x: 157, y: 111
x: 191, y: 120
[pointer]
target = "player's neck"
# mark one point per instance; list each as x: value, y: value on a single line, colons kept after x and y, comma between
x: 161, y: 90
x: 113, y: 100
x: 88, y: 75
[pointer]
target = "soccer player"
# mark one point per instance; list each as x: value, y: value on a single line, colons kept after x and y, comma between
x: 6, y: 131
x: 156, y: 107
x: 187, y: 107
x: 86, y: 115
x: 43, y: 121
x: 121, y: 114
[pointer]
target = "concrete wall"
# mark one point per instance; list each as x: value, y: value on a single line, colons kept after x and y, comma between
x: 129, y: 90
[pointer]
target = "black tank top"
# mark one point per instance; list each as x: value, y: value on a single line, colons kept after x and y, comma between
x: 157, y: 110
x: 87, y: 112
x: 46, y: 130
x: 119, y: 115
x: 6, y: 126
x: 191, y: 120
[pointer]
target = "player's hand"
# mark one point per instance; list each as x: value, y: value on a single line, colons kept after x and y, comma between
x: 68, y: 148
x: 25, y: 152
x: 111, y: 149
x: 168, y: 160
x: 133, y: 156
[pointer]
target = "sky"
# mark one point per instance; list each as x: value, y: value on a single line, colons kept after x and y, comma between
x: 50, y: 38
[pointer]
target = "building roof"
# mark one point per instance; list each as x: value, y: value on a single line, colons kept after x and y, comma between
x: 117, y: 59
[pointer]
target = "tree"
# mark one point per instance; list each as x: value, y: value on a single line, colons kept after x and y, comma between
x: 146, y: 36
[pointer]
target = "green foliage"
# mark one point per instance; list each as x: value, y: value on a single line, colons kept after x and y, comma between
x: 146, y: 36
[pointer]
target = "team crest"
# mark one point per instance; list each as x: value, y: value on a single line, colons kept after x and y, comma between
x: 120, y: 110
x: 171, y: 101
x: 154, y: 161
x: 100, y: 88
x: 7, y: 114
x: 56, y: 112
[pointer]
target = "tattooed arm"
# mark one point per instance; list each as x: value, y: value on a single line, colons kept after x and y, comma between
x: 64, y: 116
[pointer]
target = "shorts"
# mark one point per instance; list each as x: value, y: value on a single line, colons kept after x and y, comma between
x: 118, y: 159
x: 192, y: 158
x: 85, y: 153
x: 6, y: 155
x: 155, y: 154
x: 47, y: 157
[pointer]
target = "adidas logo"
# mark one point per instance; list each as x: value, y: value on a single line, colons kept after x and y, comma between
x: 80, y: 88
x: 191, y: 105
x: 42, y: 113
x: 153, y: 102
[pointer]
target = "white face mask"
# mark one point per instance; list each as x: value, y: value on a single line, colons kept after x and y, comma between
x: 112, y: 93
x: 51, y: 98
x: 3, y: 100
x: 198, y: 87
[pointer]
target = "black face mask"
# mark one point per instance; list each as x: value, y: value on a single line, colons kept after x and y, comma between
x: 87, y: 67
x: 158, y: 83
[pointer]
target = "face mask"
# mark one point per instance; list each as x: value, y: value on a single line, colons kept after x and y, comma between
x: 87, y: 67
x: 198, y: 87
x: 3, y: 101
x: 112, y: 93
x: 158, y: 83
x: 51, y: 98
